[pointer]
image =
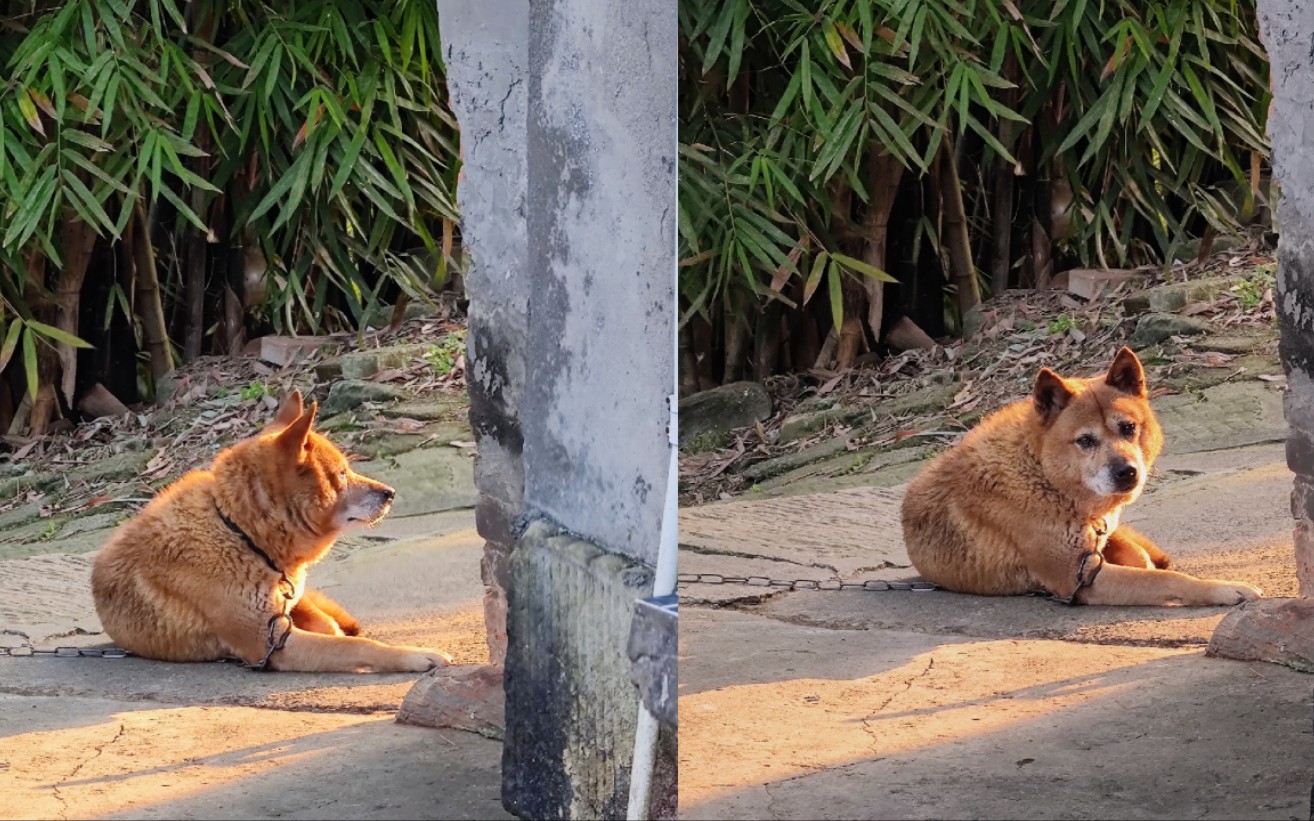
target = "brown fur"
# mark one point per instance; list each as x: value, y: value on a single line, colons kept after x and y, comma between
x: 1014, y: 506
x: 176, y: 584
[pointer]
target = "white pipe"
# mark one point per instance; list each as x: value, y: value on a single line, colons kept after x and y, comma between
x: 645, y: 733
x: 646, y: 729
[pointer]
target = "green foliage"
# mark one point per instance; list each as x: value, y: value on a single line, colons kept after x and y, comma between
x: 1061, y: 325
x: 443, y: 356
x: 318, y: 131
x: 256, y: 390
x: 1250, y: 290
x: 333, y: 131
x: 1139, y: 107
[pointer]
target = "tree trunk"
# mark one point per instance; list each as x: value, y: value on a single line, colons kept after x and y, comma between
x: 194, y: 290
x: 78, y: 239
x: 688, y: 364
x: 804, y: 341
x: 1042, y: 229
x: 149, y: 307
x: 44, y: 405
x: 202, y: 15
x: 954, y: 230
x: 884, y: 175
x: 854, y: 297
x: 767, y: 356
x: 1001, y: 257
x: 701, y: 332
x: 734, y: 333
x: 851, y: 335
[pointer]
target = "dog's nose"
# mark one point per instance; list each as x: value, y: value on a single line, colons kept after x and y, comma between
x: 1126, y: 476
x: 388, y: 493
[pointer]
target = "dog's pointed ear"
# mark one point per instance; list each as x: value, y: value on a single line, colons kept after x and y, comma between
x: 288, y: 412
x: 1051, y: 394
x: 293, y: 438
x: 1126, y: 374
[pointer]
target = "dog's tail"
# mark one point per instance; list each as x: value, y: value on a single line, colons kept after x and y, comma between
x: 335, y: 611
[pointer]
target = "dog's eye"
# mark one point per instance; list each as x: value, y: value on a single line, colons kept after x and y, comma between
x: 342, y: 474
x: 1127, y: 429
x: 1086, y: 441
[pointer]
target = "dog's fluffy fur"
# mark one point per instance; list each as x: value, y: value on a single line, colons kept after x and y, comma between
x: 176, y: 583
x: 1015, y: 506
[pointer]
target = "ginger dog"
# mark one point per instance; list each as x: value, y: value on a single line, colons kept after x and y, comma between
x: 1030, y: 500
x: 208, y: 568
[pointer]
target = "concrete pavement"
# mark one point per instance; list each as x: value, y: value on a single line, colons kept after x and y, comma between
x: 812, y: 704
x: 88, y: 737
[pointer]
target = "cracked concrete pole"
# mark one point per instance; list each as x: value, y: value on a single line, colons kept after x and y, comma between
x: 485, y: 48
x: 1282, y: 630
x: 568, y: 131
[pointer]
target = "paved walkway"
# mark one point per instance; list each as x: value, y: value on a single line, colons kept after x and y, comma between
x: 897, y: 704
x: 87, y: 737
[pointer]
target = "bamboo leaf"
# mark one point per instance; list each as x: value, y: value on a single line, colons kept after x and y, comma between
x: 836, y: 295
x: 11, y: 342
x: 836, y: 43
x: 29, y: 111
x: 860, y: 267
x: 814, y: 278
x: 30, y: 363
x: 56, y: 334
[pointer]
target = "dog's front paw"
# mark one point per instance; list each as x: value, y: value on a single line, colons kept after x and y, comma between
x: 1228, y: 593
x: 422, y: 659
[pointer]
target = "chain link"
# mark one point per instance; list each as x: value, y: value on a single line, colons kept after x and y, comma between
x: 875, y: 585
x: 277, y: 638
x: 26, y: 650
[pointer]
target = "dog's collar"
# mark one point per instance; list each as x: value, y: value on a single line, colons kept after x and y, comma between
x: 248, y: 540
x: 1100, y: 526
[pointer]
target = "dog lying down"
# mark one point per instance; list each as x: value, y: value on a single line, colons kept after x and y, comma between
x: 215, y: 566
x: 1030, y: 500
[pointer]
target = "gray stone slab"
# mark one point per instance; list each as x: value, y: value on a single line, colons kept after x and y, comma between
x: 1230, y: 415
x: 45, y: 596
x: 427, y: 481
x: 848, y: 531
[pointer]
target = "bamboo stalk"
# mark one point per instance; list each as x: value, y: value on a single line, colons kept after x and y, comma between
x: 735, y: 336
x: 884, y: 175
x: 79, y: 240
x: 149, y: 306
x: 203, y: 19
x: 954, y: 230
x: 44, y: 404
x: 1001, y: 257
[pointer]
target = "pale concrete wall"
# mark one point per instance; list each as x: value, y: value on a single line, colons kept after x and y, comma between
x: 568, y: 121
x: 485, y: 48
x: 1287, y: 29
x: 602, y: 244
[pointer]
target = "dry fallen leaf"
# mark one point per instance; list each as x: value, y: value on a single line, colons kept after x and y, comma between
x: 830, y: 385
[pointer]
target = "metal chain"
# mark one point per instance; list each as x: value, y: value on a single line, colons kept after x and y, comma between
x: 275, y: 640
x: 874, y: 585
x: 26, y: 650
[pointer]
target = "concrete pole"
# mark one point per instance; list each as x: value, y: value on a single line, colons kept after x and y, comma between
x: 1282, y: 630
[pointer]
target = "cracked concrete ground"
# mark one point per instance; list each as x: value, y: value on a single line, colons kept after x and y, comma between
x: 815, y: 704
x: 131, y: 738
